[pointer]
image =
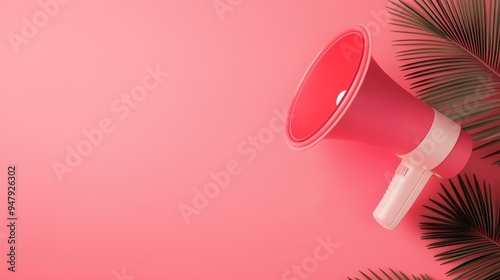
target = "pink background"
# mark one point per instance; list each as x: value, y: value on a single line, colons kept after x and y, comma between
x: 116, y: 215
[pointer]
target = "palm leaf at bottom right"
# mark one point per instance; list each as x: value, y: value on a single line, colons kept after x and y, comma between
x: 465, y: 225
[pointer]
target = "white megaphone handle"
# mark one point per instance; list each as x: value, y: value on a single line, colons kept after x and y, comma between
x: 403, y: 190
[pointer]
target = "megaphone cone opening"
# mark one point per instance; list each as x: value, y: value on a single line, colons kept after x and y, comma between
x: 328, y: 88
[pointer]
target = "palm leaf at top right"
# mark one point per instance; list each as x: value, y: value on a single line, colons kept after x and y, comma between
x: 452, y: 57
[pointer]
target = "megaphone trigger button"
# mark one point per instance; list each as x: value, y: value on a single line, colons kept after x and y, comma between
x: 402, y: 170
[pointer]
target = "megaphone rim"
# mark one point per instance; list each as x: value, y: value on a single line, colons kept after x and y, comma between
x: 317, y: 136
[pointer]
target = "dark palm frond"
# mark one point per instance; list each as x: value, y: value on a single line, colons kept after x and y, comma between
x: 466, y: 223
x: 452, y: 57
x: 390, y: 276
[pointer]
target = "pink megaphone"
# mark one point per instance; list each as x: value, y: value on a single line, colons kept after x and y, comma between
x: 346, y: 95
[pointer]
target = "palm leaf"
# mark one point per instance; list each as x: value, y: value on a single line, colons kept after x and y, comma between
x: 390, y: 276
x: 452, y: 57
x: 466, y: 223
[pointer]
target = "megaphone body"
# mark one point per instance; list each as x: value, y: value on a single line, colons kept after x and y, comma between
x: 346, y: 95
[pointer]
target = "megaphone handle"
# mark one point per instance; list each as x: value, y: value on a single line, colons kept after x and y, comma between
x: 406, y: 185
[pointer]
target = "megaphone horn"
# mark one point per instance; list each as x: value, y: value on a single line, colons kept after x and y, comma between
x: 346, y: 95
